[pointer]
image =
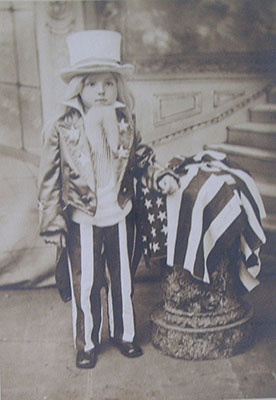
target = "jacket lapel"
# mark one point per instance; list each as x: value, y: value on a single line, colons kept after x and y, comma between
x: 77, y: 151
x: 126, y: 137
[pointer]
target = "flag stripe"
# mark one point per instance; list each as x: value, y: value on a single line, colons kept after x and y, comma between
x: 216, y: 229
x: 247, y: 186
x: 128, y: 316
x: 74, y: 307
x: 202, y: 199
x: 210, y: 213
x: 174, y: 203
x: 87, y: 277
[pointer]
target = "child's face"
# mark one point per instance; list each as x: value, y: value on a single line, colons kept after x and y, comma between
x: 99, y: 90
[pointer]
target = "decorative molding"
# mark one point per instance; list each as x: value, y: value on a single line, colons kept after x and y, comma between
x: 172, y: 107
x: 227, y: 62
x: 215, y: 117
x: 53, y: 22
x: 221, y: 97
x: 60, y: 17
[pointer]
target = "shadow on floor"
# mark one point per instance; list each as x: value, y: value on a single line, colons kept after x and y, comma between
x: 38, y: 359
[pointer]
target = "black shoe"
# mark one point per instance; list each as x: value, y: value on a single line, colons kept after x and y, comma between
x: 87, y: 359
x: 128, y: 349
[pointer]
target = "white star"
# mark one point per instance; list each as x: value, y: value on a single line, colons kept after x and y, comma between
x: 122, y: 152
x: 159, y: 201
x: 148, y: 204
x: 145, y: 251
x: 162, y: 215
x: 164, y: 229
x: 40, y: 205
x: 123, y: 126
x: 151, y: 218
x: 73, y: 134
x: 83, y: 159
x: 153, y: 232
x: 150, y: 246
x: 144, y: 238
x: 145, y: 190
x: 156, y: 247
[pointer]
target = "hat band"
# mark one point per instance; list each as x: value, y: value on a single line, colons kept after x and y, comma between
x: 95, y: 61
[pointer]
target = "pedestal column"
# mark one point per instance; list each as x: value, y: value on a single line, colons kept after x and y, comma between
x: 198, y: 321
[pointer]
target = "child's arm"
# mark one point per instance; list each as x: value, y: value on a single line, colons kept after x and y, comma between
x: 51, y: 216
x: 168, y: 184
x: 150, y: 172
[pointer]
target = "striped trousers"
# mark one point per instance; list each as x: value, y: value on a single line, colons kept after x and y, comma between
x: 101, y: 257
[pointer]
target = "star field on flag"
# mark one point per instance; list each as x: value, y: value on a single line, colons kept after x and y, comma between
x: 154, y: 222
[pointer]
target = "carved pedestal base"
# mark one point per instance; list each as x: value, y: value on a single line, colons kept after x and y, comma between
x: 201, y: 343
x: 200, y: 321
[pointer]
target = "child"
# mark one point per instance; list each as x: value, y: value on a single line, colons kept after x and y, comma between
x: 91, y: 155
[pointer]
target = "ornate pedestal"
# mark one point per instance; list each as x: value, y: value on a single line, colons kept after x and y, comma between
x: 210, y: 229
x: 198, y: 321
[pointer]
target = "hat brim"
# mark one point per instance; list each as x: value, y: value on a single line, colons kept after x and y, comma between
x: 125, y: 70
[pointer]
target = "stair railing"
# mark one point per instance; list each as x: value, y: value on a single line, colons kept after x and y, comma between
x: 214, y: 117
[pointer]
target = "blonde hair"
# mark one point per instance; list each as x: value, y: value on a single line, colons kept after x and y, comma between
x: 75, y: 88
x: 125, y: 96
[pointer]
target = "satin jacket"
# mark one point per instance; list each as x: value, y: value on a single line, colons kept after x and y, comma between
x: 67, y: 177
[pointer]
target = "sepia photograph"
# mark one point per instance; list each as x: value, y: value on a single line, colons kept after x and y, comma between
x: 167, y: 108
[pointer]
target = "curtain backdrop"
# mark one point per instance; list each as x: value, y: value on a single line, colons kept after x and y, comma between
x: 25, y: 261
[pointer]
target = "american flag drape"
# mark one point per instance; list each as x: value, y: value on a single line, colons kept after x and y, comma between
x: 217, y: 203
x: 152, y: 214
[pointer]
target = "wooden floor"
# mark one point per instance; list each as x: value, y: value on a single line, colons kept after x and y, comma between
x: 38, y: 360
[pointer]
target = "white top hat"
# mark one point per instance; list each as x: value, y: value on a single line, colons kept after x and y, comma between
x: 94, y: 51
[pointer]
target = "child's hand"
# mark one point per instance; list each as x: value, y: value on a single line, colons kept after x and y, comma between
x: 57, y: 239
x: 168, y: 184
